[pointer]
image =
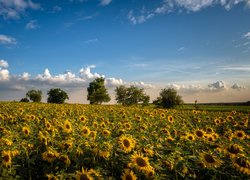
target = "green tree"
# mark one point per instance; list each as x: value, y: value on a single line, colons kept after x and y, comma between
x: 97, y: 93
x: 131, y: 95
x: 24, y: 100
x: 34, y: 95
x: 168, y: 98
x: 57, y: 96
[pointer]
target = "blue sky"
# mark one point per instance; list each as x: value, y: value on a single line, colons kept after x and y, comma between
x: 199, y: 47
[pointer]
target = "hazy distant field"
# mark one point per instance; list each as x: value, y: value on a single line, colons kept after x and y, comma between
x: 110, y: 141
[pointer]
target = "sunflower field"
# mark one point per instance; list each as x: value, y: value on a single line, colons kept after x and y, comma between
x: 73, y: 141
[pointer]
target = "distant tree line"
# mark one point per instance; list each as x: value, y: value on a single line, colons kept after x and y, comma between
x: 98, y: 94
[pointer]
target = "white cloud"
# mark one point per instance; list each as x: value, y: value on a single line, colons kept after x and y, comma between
x: 13, y: 9
x: 4, y: 75
x: 4, y: 39
x: 86, y: 73
x: 237, y: 68
x: 247, y: 35
x: 91, y: 41
x: 139, y: 19
x: 4, y: 64
x: 237, y: 87
x: 56, y: 9
x: 105, y: 2
x: 219, y: 85
x: 25, y: 76
x: 32, y: 24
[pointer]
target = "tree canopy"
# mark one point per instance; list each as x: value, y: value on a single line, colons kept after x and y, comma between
x: 34, y: 95
x: 57, y: 96
x: 131, y: 95
x: 168, y: 98
x: 97, y: 93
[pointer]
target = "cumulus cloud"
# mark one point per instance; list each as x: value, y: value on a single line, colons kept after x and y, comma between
x: 4, y: 39
x: 219, y: 85
x: 4, y: 64
x: 32, y: 24
x: 4, y: 74
x: 13, y: 9
x: 237, y: 87
x: 86, y: 73
x: 105, y: 2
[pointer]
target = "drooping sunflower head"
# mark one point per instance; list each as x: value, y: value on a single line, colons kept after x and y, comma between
x: 234, y: 149
x: 128, y: 175
x: 126, y: 143
x: 209, y: 160
x: 242, y: 165
x: 67, y: 127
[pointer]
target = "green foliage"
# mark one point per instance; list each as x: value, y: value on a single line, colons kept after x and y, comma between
x: 34, y: 95
x: 57, y: 96
x: 24, y: 100
x: 97, y: 93
x: 168, y: 98
x: 131, y: 95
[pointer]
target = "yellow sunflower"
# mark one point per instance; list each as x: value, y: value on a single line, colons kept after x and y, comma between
x: 190, y: 137
x: 48, y: 125
x: 6, y: 158
x: 65, y: 159
x: 209, y: 160
x: 83, y: 175
x: 106, y: 133
x: 199, y: 133
x: 126, y: 143
x: 170, y: 119
x: 82, y: 118
x: 239, y: 134
x: 128, y: 175
x: 141, y: 162
x: 67, y: 127
x: 242, y: 165
x: 85, y: 131
x: 234, y: 150
x: 52, y: 177
x: 26, y: 130
x: 217, y: 121
x: 50, y: 155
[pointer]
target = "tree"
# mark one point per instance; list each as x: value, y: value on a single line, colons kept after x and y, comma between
x: 168, y: 98
x: 131, y: 95
x: 57, y: 96
x: 24, y: 100
x: 34, y: 95
x: 97, y: 93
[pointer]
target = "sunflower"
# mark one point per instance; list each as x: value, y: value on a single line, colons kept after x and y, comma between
x: 239, y: 134
x: 163, y: 115
x: 242, y: 165
x: 127, y: 125
x: 170, y: 119
x: 217, y: 121
x: 199, y: 133
x: 67, y: 127
x: 210, y: 138
x: 26, y: 130
x: 83, y: 119
x: 209, y: 160
x: 138, y: 118
x: 126, y: 143
x: 85, y: 131
x: 6, y: 158
x: 65, y: 159
x: 83, y: 175
x: 128, y: 175
x: 106, y: 132
x: 49, y: 155
x: 43, y: 138
x: 234, y: 149
x: 190, y: 137
x: 48, y: 125
x: 141, y: 162
x: 230, y: 118
x: 209, y: 130
x: 104, y: 154
x: 195, y: 112
x: 6, y: 141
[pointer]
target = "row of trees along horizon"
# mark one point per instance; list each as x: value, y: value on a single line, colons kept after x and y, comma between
x: 97, y: 94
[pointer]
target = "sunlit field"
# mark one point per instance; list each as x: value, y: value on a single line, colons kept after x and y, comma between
x: 40, y: 141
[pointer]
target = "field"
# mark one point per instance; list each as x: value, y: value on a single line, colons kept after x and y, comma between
x: 70, y: 141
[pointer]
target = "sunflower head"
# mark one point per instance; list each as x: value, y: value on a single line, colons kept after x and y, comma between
x: 126, y: 143
x: 128, y: 175
x: 199, y: 133
x: 83, y: 175
x: 85, y: 131
x: 141, y: 162
x: 26, y: 130
x: 209, y: 160
x: 242, y: 165
x: 67, y: 127
x: 239, y: 134
x: 6, y: 158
